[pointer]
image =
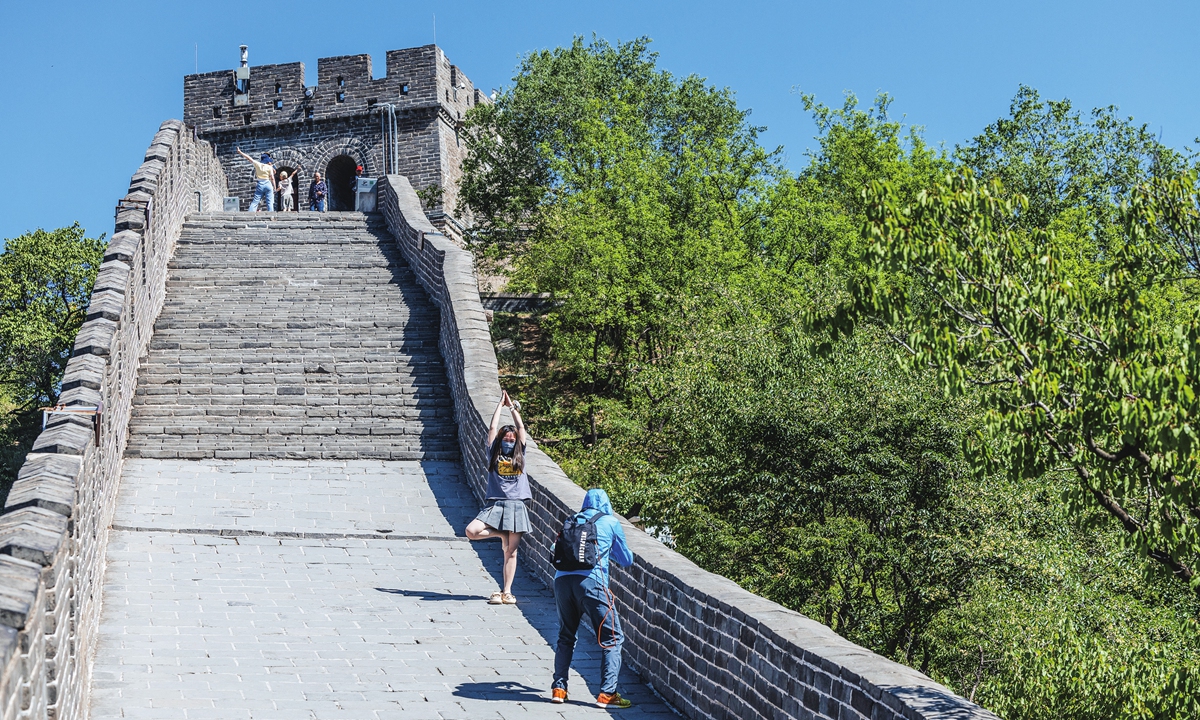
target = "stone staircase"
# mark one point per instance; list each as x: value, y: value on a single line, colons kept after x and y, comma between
x: 292, y: 336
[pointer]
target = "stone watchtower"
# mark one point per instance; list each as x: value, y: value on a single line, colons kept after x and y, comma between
x: 405, y: 123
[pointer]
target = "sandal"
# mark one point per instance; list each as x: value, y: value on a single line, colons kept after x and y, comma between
x: 496, y: 598
x: 509, y: 599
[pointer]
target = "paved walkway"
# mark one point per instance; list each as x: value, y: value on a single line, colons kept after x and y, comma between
x: 320, y: 589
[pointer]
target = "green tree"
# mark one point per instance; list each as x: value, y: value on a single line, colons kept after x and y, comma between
x: 46, y: 279
x: 1064, y: 166
x: 679, y: 375
x: 622, y: 191
x: 1103, y: 383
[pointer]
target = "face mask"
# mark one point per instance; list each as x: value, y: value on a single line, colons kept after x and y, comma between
x: 507, y: 447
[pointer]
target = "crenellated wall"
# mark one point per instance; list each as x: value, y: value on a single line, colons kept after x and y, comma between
x: 711, y: 648
x: 341, y: 116
x: 54, y: 526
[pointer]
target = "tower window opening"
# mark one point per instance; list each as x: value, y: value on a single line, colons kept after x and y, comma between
x: 247, y: 118
x: 308, y: 113
x: 404, y: 89
x: 217, y: 112
x: 278, y: 104
x: 341, y: 97
x: 341, y: 82
x: 278, y: 88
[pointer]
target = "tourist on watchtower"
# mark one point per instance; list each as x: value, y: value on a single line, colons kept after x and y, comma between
x: 286, y: 192
x: 505, y: 516
x: 588, y: 540
x: 316, y: 194
x: 264, y: 181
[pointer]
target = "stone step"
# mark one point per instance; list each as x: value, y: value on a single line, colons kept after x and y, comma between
x: 292, y: 335
x: 298, y: 219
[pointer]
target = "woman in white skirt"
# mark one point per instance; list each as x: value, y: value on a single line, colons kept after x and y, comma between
x: 505, y: 515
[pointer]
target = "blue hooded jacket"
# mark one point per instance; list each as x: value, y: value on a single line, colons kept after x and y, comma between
x: 610, y: 537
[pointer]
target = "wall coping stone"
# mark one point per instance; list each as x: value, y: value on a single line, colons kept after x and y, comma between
x: 32, y: 533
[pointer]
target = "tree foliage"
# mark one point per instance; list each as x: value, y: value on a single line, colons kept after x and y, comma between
x: 622, y: 191
x: 1103, y: 383
x: 678, y: 369
x: 46, y: 280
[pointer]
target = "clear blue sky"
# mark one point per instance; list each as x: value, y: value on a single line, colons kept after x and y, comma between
x: 85, y: 85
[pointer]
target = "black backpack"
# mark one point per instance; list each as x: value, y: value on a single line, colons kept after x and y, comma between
x: 575, y: 547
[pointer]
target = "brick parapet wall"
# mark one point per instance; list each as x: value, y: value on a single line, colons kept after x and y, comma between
x: 54, y: 527
x: 431, y: 96
x: 711, y: 648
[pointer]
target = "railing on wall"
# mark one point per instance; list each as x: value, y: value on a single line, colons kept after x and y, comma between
x: 54, y: 526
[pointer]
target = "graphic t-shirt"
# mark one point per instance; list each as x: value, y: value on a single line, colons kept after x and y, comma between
x: 506, y: 482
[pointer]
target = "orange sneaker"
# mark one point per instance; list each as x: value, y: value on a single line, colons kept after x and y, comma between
x: 558, y: 695
x: 612, y: 700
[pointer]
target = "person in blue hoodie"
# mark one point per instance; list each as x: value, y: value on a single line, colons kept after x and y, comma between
x: 585, y: 592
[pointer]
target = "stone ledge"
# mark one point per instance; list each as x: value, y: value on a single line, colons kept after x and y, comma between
x: 85, y: 396
x: 59, y: 467
x: 123, y: 246
x: 32, y: 533
x: 69, y: 438
x: 106, y: 304
x: 48, y: 492
x: 145, y: 179
x: 113, y: 276
x: 19, y: 580
x: 95, y: 337
x: 84, y: 371
x: 132, y: 219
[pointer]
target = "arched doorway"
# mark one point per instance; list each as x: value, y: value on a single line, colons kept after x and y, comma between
x: 339, y: 174
x: 293, y: 179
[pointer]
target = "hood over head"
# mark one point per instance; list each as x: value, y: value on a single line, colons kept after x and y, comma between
x: 597, y: 499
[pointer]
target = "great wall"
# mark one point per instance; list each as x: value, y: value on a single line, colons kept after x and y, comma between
x: 266, y: 519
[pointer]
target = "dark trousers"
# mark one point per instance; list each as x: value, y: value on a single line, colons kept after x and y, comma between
x: 577, y: 596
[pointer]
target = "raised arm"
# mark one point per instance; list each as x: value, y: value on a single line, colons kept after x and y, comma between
x: 516, y: 416
x: 239, y: 151
x: 495, y: 426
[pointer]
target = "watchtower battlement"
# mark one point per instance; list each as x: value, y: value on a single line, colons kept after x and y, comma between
x: 340, y: 122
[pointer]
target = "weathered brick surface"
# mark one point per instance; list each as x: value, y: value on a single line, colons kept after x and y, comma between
x: 342, y: 117
x: 292, y: 335
x: 711, y: 648
x: 55, y: 523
